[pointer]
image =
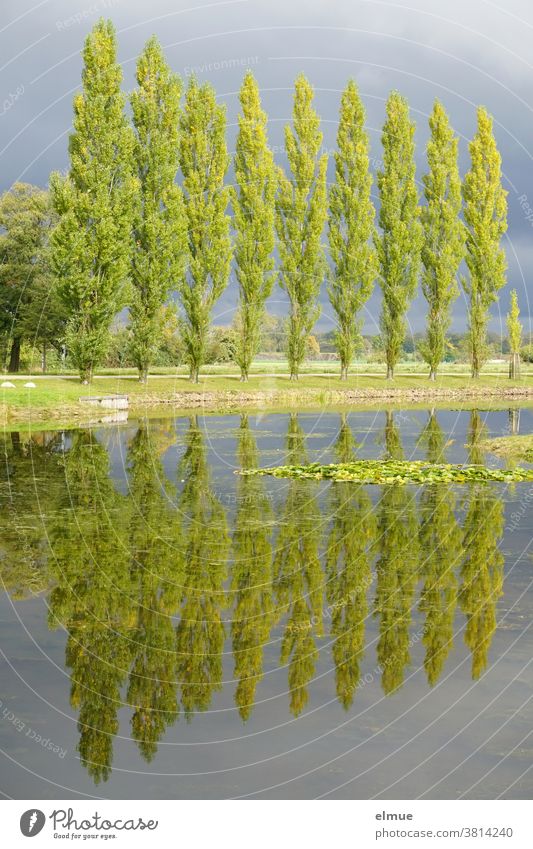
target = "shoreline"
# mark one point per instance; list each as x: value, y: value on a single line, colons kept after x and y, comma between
x: 232, y: 400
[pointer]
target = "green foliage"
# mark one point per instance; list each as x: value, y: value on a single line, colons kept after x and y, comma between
x: 30, y: 310
x: 251, y: 583
x: 297, y: 577
x: 160, y: 239
x: 92, y: 242
x: 441, y: 553
x: 514, y: 326
x: 200, y: 633
x: 301, y: 211
x: 157, y: 569
x: 482, y: 567
x: 485, y: 212
x: 348, y: 573
x: 396, y: 570
x: 253, y: 205
x: 91, y: 596
x: 204, y: 161
x: 399, y: 245
x: 444, y: 236
x: 351, y: 225
x: 395, y: 472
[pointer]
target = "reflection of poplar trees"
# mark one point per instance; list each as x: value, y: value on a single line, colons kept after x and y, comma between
x: 157, y: 577
x: 348, y: 571
x: 396, y: 570
x: 200, y: 633
x: 298, y: 574
x: 30, y: 481
x: 482, y: 568
x: 251, y: 577
x: 91, y: 598
x: 441, y: 551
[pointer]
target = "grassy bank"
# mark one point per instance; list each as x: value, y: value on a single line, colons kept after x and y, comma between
x: 58, y: 398
x: 511, y: 447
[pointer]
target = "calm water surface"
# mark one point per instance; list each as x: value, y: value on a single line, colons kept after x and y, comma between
x: 172, y: 630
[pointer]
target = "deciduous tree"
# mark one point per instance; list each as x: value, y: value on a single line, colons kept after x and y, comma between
x: 92, y: 241
x: 444, y: 236
x: 204, y: 162
x: 514, y: 332
x: 399, y: 244
x: 160, y: 238
x: 351, y: 225
x: 253, y: 204
x: 485, y: 211
x: 301, y: 210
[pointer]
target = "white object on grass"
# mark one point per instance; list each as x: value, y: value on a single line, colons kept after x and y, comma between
x: 7, y: 385
x: 30, y: 385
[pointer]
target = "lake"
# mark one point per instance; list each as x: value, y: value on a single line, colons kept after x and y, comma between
x: 170, y: 629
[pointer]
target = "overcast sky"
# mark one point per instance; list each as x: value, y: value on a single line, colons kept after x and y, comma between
x: 466, y: 53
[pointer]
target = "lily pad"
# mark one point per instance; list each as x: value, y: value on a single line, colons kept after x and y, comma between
x: 396, y: 472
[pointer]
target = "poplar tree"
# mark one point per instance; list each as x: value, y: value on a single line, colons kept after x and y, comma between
x: 399, y: 245
x: 204, y: 161
x: 514, y: 331
x: 253, y: 205
x: 91, y: 245
x: 444, y: 237
x: 485, y: 212
x: 159, y: 226
x: 301, y: 210
x: 351, y: 225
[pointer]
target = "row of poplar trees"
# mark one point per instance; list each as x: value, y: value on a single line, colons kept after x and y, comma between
x: 130, y: 233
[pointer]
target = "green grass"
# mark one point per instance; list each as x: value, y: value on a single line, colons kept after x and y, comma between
x: 56, y: 397
x: 279, y: 366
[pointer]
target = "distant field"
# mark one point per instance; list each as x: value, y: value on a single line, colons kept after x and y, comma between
x: 318, y: 367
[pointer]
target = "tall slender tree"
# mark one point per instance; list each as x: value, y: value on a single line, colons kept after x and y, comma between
x: 204, y: 161
x: 485, y: 211
x: 253, y: 204
x: 514, y: 332
x: 160, y: 238
x: 301, y: 210
x: 400, y: 242
x: 444, y: 235
x: 351, y: 225
x: 92, y: 242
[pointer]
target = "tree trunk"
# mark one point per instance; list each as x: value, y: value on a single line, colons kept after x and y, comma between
x: 514, y: 421
x: 143, y: 374
x: 514, y: 367
x: 86, y: 375
x: 14, y: 357
x: 432, y: 374
x: 390, y: 373
x: 475, y: 373
x: 43, y: 358
x: 294, y: 375
x: 344, y: 372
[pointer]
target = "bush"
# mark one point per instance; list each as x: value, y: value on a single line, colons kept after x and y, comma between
x: 526, y: 354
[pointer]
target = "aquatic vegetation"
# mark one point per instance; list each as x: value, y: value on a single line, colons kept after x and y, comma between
x: 395, y: 472
x: 512, y: 447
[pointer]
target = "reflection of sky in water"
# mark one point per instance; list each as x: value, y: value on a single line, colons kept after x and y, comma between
x: 208, y: 566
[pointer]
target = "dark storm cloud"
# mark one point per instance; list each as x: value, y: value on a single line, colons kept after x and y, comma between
x: 464, y: 53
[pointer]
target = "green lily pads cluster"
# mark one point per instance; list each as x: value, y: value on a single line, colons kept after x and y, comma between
x: 396, y: 472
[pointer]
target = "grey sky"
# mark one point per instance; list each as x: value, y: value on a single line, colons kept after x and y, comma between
x: 466, y: 53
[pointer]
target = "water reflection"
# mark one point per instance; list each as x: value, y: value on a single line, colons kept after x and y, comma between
x: 153, y: 579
